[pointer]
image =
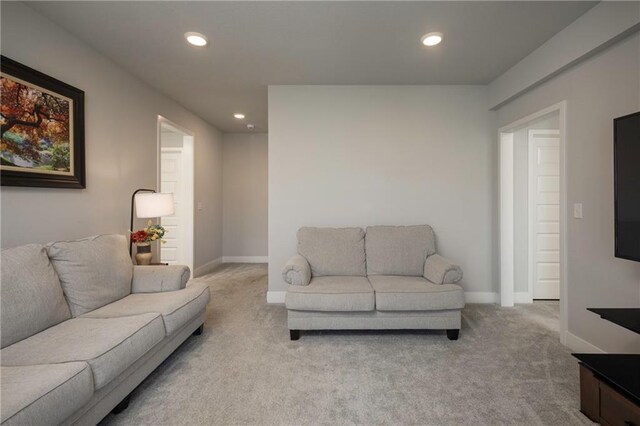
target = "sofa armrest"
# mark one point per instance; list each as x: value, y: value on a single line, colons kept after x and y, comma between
x: 297, y: 271
x: 440, y: 270
x: 157, y: 278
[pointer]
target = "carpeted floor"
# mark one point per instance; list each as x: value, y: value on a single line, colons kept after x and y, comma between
x: 508, y: 367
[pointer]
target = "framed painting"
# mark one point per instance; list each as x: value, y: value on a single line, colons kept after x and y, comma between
x: 42, y: 124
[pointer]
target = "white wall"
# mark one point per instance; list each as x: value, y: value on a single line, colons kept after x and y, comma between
x: 245, y: 194
x: 368, y: 155
x: 599, y: 89
x: 521, y: 198
x: 121, y: 144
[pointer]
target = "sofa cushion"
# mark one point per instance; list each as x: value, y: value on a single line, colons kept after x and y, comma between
x: 93, y: 272
x: 176, y: 307
x: 399, y: 293
x: 31, y: 296
x: 398, y: 250
x: 333, y: 251
x: 332, y: 294
x: 109, y: 345
x: 44, y: 394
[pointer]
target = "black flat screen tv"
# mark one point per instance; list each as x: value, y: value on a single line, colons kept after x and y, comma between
x: 626, y: 158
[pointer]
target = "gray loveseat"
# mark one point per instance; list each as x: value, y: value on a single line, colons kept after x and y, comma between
x: 387, y: 278
x: 82, y: 327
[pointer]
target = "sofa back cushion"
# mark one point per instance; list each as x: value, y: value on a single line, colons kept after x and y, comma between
x: 333, y: 251
x: 398, y: 250
x: 31, y: 295
x: 93, y: 272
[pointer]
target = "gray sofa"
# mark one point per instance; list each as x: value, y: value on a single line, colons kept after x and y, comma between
x: 387, y: 278
x: 82, y: 327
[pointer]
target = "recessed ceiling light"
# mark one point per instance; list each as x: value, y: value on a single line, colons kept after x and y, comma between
x: 239, y: 116
x: 431, y: 39
x: 196, y: 39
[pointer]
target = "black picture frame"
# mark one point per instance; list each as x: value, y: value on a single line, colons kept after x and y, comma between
x: 77, y: 179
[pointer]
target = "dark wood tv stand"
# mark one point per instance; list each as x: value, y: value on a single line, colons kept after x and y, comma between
x: 610, y: 383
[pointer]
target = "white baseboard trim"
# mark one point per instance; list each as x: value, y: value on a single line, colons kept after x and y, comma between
x: 245, y: 259
x: 577, y: 344
x: 275, y: 296
x: 470, y: 297
x: 522, y: 297
x: 480, y: 297
x: 207, y: 267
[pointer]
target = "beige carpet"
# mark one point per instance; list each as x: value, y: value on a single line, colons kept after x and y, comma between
x: 508, y: 367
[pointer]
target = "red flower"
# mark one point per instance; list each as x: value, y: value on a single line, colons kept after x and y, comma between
x: 139, y: 236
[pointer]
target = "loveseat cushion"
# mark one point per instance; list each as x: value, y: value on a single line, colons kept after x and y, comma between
x: 31, y: 295
x: 398, y: 250
x: 333, y: 251
x: 93, y: 272
x: 176, y: 307
x: 44, y: 394
x: 109, y: 345
x: 346, y: 293
x: 400, y: 293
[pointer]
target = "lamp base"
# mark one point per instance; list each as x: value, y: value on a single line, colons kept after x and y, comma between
x: 143, y: 254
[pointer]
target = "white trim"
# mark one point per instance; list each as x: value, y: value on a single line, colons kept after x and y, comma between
x: 507, y: 241
x: 207, y: 267
x: 276, y: 296
x: 507, y: 169
x: 481, y: 297
x: 531, y: 226
x: 576, y: 344
x: 564, y: 248
x: 245, y: 259
x: 531, y: 199
x: 469, y: 296
x: 522, y: 297
x: 189, y: 159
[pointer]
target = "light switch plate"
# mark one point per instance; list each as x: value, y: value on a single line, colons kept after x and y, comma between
x: 199, y: 205
x: 577, y: 210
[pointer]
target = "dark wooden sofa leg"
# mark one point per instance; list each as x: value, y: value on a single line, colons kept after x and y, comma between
x: 453, y: 334
x: 198, y: 330
x: 122, y: 405
x: 294, y: 334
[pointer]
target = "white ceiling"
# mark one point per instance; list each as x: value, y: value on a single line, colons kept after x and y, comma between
x: 256, y: 44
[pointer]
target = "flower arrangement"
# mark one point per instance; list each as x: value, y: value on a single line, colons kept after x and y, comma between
x: 149, y: 234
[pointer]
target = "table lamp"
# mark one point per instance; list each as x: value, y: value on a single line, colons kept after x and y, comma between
x: 149, y: 204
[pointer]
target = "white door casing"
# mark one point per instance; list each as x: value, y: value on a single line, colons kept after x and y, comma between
x: 172, y: 180
x: 544, y: 214
x: 507, y: 288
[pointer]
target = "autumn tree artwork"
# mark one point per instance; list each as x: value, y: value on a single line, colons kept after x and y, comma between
x: 36, y: 128
x: 41, y: 129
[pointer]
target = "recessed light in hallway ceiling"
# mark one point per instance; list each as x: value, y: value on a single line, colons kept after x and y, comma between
x: 196, y: 39
x: 431, y: 39
x: 238, y: 116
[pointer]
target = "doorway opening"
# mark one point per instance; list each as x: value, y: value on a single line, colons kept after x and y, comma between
x: 176, y: 175
x: 533, y: 212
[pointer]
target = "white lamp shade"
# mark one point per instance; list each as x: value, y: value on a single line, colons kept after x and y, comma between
x: 154, y: 204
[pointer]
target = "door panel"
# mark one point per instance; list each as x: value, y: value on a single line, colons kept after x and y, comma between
x: 544, y: 175
x: 171, y: 180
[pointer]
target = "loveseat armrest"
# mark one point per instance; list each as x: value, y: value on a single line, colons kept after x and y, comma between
x: 157, y: 278
x: 440, y: 270
x: 297, y: 271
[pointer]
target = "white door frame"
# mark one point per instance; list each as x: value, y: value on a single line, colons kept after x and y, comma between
x: 188, y: 158
x: 532, y: 209
x: 507, y: 250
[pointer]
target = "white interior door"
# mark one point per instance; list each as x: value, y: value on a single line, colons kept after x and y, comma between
x: 171, y: 180
x: 544, y: 213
